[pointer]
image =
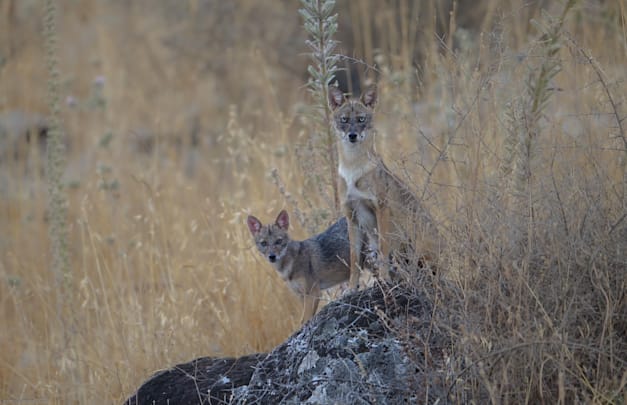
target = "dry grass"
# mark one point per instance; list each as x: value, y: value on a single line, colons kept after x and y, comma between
x: 176, y: 115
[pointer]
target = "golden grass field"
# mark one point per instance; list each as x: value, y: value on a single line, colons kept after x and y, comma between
x: 175, y: 115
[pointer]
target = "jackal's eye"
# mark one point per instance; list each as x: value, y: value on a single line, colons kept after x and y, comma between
x: 361, y: 119
x: 278, y: 241
x: 344, y: 120
x: 263, y: 243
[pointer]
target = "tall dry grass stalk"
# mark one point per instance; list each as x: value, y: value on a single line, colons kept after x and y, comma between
x: 315, y: 202
x: 534, y: 249
x: 321, y: 24
x: 524, y: 115
x: 57, y: 202
x: 65, y: 357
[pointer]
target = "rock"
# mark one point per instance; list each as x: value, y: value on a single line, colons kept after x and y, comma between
x: 374, y: 346
x: 378, y: 345
x: 206, y: 380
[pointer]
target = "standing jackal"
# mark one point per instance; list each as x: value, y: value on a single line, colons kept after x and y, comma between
x: 307, y: 266
x: 381, y: 210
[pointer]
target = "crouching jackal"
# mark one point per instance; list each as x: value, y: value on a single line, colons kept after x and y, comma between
x: 307, y: 266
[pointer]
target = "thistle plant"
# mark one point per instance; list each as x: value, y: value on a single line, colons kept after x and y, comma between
x: 57, y: 205
x: 525, y: 113
x: 321, y: 24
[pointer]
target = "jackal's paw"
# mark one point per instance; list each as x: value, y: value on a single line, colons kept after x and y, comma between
x: 371, y: 259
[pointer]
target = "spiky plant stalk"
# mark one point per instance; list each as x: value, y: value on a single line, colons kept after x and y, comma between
x: 57, y: 204
x: 525, y: 114
x: 321, y: 24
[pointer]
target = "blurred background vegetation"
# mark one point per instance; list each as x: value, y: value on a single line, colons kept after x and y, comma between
x: 175, y: 114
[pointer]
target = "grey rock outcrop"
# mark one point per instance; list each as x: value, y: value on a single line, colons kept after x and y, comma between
x: 379, y: 345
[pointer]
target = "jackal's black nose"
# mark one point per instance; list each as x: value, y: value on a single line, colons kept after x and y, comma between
x: 272, y: 258
x: 352, y: 137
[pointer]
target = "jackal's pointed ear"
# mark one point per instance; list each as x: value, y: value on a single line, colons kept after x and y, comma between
x: 336, y: 98
x: 369, y: 97
x: 254, y: 225
x: 283, y: 220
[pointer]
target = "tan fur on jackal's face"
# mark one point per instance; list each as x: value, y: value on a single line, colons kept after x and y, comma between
x: 271, y: 239
x: 352, y: 118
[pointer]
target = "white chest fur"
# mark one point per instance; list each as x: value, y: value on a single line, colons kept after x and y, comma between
x: 351, y: 177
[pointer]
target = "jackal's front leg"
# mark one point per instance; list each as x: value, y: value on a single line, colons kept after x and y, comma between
x: 310, y: 301
x: 354, y: 237
x: 383, y: 235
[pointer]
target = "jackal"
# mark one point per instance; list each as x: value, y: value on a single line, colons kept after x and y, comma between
x: 307, y: 266
x: 381, y: 210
